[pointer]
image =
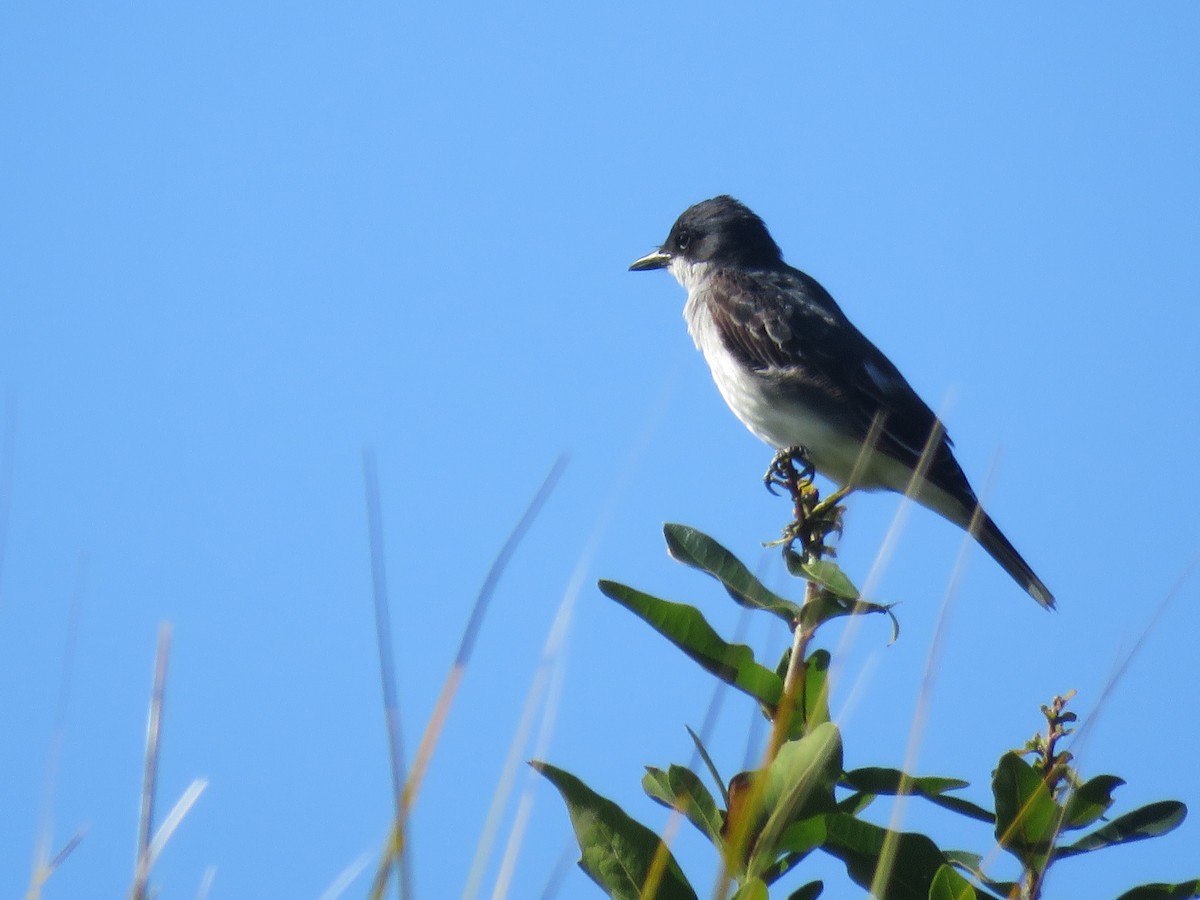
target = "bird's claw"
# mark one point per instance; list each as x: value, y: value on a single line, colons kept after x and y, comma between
x: 813, y: 519
x: 791, y: 470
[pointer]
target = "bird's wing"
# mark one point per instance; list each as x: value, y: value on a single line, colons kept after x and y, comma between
x: 786, y: 326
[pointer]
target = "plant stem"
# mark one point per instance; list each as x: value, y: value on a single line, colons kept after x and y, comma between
x: 793, y: 681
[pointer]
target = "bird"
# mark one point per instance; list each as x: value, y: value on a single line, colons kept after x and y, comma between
x: 797, y: 373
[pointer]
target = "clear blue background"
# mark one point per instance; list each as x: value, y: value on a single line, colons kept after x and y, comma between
x: 239, y: 244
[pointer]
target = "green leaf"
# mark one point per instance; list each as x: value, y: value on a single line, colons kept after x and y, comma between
x: 1090, y: 801
x: 972, y: 864
x: 797, y: 841
x: 687, y: 629
x: 828, y: 575
x: 752, y: 889
x: 949, y: 885
x: 860, y: 845
x: 798, y: 784
x: 617, y: 851
x: 1026, y: 814
x: 881, y: 780
x: 968, y: 862
x: 1182, y: 891
x: 696, y: 549
x: 855, y: 803
x: 810, y: 891
x: 816, y: 688
x: 680, y: 788
x: 712, y: 767
x: 878, y: 780
x: 803, y: 836
x: 829, y: 603
x: 1148, y: 821
x: 815, y: 697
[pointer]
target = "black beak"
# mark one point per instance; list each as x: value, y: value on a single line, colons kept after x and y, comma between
x: 655, y: 260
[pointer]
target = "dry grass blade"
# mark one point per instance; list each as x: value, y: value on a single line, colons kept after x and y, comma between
x: 66, y: 850
x: 502, y: 558
x: 141, y: 872
x: 42, y: 868
x: 882, y: 558
x: 151, y: 842
x: 887, y: 856
x: 1122, y: 666
x: 920, y: 717
x: 874, y: 574
x: 558, y: 874
x: 516, y: 837
x: 45, y: 868
x: 345, y: 878
x: 542, y: 696
x: 206, y: 883
x: 437, y: 719
x: 547, y: 682
x: 387, y: 662
x: 181, y: 808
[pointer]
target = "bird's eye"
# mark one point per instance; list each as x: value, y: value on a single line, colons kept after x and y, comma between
x: 683, y: 240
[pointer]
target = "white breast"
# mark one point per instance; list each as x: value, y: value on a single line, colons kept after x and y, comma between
x: 783, y: 421
x: 775, y: 418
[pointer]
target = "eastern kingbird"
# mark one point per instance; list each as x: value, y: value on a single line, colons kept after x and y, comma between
x: 797, y: 373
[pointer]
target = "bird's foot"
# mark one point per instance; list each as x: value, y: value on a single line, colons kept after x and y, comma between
x: 791, y: 469
x: 813, y: 519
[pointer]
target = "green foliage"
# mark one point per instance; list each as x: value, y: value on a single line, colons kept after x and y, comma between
x: 1090, y: 801
x: 796, y: 785
x: 686, y: 628
x: 619, y: 853
x: 904, y: 864
x: 947, y: 884
x: 1026, y: 816
x: 681, y: 788
x: 1148, y: 821
x: 766, y: 822
x: 696, y: 549
x: 875, y: 781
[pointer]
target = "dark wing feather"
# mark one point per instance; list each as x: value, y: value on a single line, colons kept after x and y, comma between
x: 786, y: 326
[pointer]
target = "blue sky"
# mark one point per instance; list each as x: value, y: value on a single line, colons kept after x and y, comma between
x: 242, y: 244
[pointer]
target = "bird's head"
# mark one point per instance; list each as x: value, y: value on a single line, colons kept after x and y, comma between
x: 720, y: 232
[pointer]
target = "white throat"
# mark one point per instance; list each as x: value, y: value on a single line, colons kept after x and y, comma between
x: 689, y: 274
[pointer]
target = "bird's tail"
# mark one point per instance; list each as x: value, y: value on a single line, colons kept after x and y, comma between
x: 992, y: 539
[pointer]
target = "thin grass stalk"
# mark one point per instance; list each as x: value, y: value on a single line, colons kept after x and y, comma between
x: 387, y: 663
x: 43, y: 867
x: 437, y: 719
x: 544, y: 685
x: 141, y: 873
x: 887, y: 854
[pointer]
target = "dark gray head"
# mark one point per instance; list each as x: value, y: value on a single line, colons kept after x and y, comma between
x: 720, y: 231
